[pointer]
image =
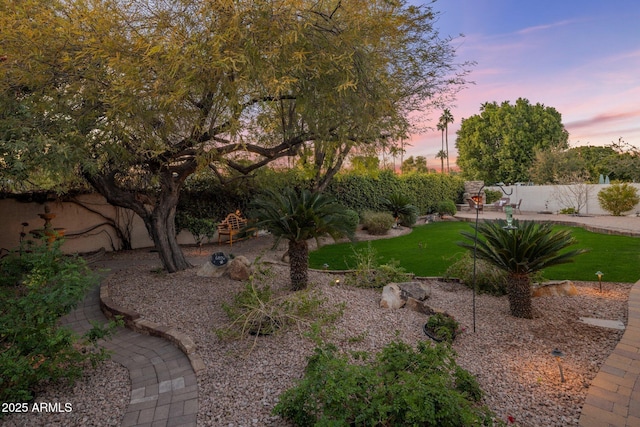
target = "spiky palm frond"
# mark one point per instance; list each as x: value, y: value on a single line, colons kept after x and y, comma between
x: 527, y: 249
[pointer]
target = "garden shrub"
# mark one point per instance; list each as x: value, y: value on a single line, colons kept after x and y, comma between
x: 369, y: 273
x: 37, y: 287
x: 257, y: 310
x: 618, y: 198
x: 353, y: 219
x: 447, y: 207
x: 200, y: 228
x: 378, y: 223
x: 401, y: 208
x: 399, y: 386
x: 489, y: 279
x: 492, y: 196
x: 444, y: 326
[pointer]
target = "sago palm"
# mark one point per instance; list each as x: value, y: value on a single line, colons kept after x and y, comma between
x: 520, y: 252
x: 298, y: 217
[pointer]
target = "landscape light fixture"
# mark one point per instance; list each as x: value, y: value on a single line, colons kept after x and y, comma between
x: 559, y: 355
x: 337, y: 281
x: 475, y: 242
x: 600, y: 274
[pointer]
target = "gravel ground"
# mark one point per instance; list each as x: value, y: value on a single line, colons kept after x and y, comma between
x: 510, y: 357
x: 99, y: 398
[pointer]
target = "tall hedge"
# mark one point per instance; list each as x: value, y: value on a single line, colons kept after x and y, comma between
x: 206, y: 197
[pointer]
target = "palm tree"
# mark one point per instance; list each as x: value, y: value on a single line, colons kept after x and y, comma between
x: 520, y: 252
x: 401, y: 208
x: 440, y: 126
x: 445, y: 119
x: 298, y: 217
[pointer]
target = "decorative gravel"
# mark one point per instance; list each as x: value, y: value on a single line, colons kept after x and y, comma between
x: 511, y: 357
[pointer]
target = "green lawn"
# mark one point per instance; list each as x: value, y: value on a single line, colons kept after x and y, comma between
x: 431, y: 248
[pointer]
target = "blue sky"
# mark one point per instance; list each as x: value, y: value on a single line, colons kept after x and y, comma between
x: 581, y: 57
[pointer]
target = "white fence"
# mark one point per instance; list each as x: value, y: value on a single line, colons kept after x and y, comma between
x: 553, y: 198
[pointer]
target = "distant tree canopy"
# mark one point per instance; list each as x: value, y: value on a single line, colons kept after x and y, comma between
x: 618, y: 161
x: 500, y: 144
x: 417, y: 164
x: 134, y: 97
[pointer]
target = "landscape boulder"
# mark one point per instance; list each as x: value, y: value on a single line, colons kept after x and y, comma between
x: 554, y: 288
x: 397, y: 295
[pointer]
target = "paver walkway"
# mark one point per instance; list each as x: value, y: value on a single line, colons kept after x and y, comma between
x: 613, y: 399
x: 164, y: 389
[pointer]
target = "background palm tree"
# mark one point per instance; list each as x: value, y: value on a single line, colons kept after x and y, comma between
x: 298, y: 217
x: 445, y: 119
x: 521, y: 252
x: 442, y: 154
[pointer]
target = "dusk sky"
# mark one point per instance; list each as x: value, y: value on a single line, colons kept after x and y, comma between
x: 581, y: 57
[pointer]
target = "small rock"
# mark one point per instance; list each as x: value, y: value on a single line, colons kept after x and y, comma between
x: 392, y: 297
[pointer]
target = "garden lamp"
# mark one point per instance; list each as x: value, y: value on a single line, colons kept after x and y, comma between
x: 600, y: 274
x: 559, y: 355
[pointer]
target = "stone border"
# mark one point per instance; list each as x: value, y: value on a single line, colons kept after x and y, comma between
x: 135, y: 322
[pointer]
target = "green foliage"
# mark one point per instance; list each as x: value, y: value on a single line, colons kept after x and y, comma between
x: 400, y: 386
x: 352, y: 218
x: 256, y: 310
x: 500, y: 143
x: 444, y: 326
x: 618, y: 198
x: 568, y: 211
x: 447, y: 207
x: 377, y: 223
x: 369, y: 273
x: 492, y: 195
x: 37, y: 288
x: 200, y: 228
x: 520, y: 252
x: 400, y: 207
x: 489, y: 279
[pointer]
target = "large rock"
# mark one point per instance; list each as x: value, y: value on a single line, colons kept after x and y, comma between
x: 210, y: 270
x: 239, y: 269
x: 396, y: 295
x: 554, y: 288
x: 392, y: 297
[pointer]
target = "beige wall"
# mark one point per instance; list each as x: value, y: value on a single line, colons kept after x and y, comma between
x: 82, y: 226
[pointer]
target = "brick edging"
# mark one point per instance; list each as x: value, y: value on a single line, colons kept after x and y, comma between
x: 135, y: 322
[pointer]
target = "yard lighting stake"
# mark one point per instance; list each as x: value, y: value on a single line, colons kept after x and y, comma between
x: 559, y: 355
x: 600, y: 274
x: 475, y: 247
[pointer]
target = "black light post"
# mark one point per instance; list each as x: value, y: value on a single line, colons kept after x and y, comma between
x: 509, y: 213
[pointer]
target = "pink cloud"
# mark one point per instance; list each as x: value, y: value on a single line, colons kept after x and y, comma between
x: 602, y: 119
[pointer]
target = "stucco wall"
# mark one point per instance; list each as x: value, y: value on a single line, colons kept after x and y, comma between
x: 85, y: 223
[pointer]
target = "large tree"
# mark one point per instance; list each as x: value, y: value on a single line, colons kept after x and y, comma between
x: 136, y: 96
x: 500, y: 143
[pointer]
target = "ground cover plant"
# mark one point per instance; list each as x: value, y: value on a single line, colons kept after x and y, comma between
x: 430, y: 249
x: 400, y: 386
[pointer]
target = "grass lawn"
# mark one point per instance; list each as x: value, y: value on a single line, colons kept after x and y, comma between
x: 429, y: 250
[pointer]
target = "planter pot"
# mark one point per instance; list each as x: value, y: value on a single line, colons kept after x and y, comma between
x: 431, y: 334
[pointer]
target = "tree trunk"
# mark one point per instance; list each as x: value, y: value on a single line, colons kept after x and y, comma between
x: 520, y: 296
x: 298, y: 264
x: 157, y: 213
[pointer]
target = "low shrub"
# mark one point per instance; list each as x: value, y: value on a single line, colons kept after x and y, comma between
x: 492, y: 196
x: 369, y: 273
x: 257, y: 310
x: 489, y: 279
x: 200, y: 228
x: 447, y: 207
x: 352, y: 218
x: 401, y: 208
x: 37, y: 287
x: 618, y: 198
x: 443, y: 326
x: 399, y: 386
x: 377, y: 223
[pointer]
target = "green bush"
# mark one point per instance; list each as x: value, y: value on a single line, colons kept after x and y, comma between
x: 200, y: 228
x: 377, y: 223
x: 444, y: 326
x: 618, y: 198
x: 369, y: 273
x: 447, y: 207
x: 400, y: 386
x: 352, y: 218
x: 37, y: 287
x: 492, y: 196
x: 489, y: 279
x: 400, y: 207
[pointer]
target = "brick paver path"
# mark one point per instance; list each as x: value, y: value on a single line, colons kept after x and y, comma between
x: 164, y: 390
